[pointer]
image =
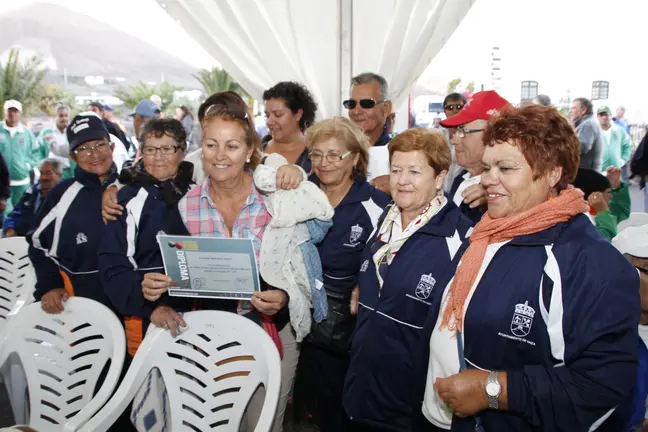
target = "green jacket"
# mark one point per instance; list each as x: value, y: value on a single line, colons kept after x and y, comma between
x: 618, y: 211
x: 49, y: 145
x: 41, y: 148
x: 616, y: 151
x: 17, y: 151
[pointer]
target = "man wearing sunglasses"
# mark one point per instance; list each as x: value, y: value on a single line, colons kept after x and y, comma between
x: 632, y: 242
x: 466, y: 191
x: 369, y: 108
x: 452, y: 105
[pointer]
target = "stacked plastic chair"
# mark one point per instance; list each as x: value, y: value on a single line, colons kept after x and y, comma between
x: 210, y: 372
x: 64, y: 357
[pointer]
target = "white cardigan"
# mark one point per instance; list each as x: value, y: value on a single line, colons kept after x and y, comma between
x: 281, y: 260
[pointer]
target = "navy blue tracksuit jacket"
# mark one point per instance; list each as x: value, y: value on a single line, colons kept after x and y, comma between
x: 64, y: 244
x: 354, y: 222
x: 558, y: 311
x: 129, y: 250
x: 382, y: 381
x: 21, y: 218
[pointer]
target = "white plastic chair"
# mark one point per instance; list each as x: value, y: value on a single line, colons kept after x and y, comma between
x: 210, y: 372
x: 63, y: 356
x: 635, y: 219
x: 17, y: 282
x: 17, y: 277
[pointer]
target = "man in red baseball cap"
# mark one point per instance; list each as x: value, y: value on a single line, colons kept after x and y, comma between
x: 466, y: 191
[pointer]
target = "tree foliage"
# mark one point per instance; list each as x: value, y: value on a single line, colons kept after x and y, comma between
x: 470, y: 87
x: 217, y: 80
x: 134, y: 94
x: 452, y: 85
x: 22, y: 81
x: 53, y: 95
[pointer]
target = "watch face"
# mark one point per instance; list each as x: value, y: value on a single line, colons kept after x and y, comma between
x: 492, y: 389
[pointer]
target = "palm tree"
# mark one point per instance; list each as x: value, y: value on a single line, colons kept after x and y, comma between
x: 218, y: 80
x: 22, y: 81
x: 136, y: 93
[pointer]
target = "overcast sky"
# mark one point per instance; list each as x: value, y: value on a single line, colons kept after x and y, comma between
x: 562, y: 44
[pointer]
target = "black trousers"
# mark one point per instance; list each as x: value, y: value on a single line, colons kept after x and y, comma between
x: 319, y: 386
x: 351, y: 426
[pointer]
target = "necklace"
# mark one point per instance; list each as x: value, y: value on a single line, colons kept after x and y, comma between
x: 346, y: 192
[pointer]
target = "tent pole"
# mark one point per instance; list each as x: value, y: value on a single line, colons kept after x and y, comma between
x: 345, y: 8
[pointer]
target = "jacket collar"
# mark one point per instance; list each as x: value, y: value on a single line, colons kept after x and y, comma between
x: 20, y: 128
x: 546, y: 237
x: 360, y: 189
x: 443, y: 224
x: 384, y: 138
x: 92, y: 180
x: 583, y: 119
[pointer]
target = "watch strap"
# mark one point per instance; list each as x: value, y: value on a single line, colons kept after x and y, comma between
x: 493, y: 400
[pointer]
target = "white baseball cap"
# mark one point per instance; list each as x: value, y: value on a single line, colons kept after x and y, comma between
x: 11, y: 103
x: 633, y: 241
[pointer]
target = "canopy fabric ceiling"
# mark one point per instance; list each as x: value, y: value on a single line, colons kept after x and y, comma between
x: 321, y: 43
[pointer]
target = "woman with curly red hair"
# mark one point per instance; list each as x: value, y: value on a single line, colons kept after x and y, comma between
x: 537, y: 330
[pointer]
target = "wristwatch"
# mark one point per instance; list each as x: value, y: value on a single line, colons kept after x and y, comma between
x: 493, y: 389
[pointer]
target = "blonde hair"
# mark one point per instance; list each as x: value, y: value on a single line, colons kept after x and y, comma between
x: 347, y: 133
x: 432, y: 143
x: 235, y: 110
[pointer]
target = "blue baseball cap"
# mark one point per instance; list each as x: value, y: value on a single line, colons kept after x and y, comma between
x: 108, y: 108
x: 146, y: 108
x: 85, y: 126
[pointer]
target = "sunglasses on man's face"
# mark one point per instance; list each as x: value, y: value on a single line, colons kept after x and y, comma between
x: 603, y: 114
x: 364, y: 103
x: 454, y: 107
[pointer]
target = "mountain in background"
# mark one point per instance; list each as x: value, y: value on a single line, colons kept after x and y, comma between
x: 76, y: 45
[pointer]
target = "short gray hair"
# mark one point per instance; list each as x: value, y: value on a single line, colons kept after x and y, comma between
x: 55, y: 163
x: 369, y: 77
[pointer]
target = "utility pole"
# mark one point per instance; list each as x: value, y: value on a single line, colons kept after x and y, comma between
x: 496, y: 68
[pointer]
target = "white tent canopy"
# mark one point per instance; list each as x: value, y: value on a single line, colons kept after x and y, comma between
x: 321, y: 43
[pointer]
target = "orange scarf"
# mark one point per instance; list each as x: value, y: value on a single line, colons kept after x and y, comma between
x: 569, y: 203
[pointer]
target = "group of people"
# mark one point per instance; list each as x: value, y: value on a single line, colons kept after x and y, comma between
x: 456, y: 281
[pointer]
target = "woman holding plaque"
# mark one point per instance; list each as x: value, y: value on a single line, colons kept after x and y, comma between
x: 227, y: 204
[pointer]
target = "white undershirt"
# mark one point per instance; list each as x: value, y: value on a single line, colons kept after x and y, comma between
x: 465, y: 184
x: 444, y: 358
x: 378, y: 162
x: 606, y: 134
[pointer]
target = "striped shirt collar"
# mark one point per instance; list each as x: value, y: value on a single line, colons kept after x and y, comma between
x: 254, y: 197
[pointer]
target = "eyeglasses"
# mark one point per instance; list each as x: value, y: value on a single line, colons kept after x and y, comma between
x: 166, y: 150
x: 87, y: 150
x: 461, y: 132
x: 224, y: 109
x: 453, y: 107
x: 316, y: 157
x: 603, y: 114
x: 364, y: 103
